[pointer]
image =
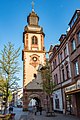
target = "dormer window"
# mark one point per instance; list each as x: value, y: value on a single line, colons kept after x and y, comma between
x: 34, y: 40
x: 75, y: 16
x: 73, y: 20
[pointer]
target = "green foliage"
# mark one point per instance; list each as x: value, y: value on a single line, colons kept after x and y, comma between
x: 9, y: 65
x: 3, y: 89
x: 9, y: 69
x: 48, y: 84
x: 48, y: 87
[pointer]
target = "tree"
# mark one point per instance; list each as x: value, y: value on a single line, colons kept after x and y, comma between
x: 48, y: 85
x: 9, y: 69
x: 3, y: 89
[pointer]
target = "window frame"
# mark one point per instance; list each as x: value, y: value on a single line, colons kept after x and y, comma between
x: 56, y: 78
x: 78, y: 37
x: 61, y: 56
x: 63, y: 74
x: 55, y: 62
x: 34, y: 40
x: 57, y: 103
x: 65, y: 51
x: 76, y: 68
x: 67, y: 72
x: 73, y: 45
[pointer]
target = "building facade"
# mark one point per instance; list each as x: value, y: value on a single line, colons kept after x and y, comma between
x: 33, y: 55
x: 17, y: 97
x: 73, y: 90
x: 66, y: 73
x: 61, y: 73
x: 55, y: 70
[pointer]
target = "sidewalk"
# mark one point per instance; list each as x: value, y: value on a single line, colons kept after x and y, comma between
x: 56, y: 117
x: 20, y: 115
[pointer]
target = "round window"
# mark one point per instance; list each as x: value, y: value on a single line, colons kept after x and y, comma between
x: 34, y: 59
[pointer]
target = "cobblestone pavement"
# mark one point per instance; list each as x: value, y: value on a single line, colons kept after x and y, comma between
x: 56, y: 117
x: 20, y: 115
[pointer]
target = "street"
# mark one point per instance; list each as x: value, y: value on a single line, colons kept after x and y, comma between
x: 20, y: 115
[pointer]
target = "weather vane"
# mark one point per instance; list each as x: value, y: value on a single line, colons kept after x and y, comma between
x: 32, y: 5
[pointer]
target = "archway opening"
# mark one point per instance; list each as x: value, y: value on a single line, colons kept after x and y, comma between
x: 38, y: 102
x: 34, y: 102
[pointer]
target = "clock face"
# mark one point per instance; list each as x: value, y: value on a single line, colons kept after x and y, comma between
x: 34, y: 59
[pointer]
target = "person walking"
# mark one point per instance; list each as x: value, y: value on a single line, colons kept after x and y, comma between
x: 35, y: 110
x: 40, y: 110
x: 10, y: 109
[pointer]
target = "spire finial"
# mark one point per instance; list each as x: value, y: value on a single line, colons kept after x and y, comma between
x: 33, y: 6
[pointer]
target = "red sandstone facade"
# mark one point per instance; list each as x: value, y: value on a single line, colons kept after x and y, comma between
x: 33, y: 55
x: 65, y: 69
x: 74, y: 52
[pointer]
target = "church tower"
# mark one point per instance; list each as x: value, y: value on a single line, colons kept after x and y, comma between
x: 33, y: 55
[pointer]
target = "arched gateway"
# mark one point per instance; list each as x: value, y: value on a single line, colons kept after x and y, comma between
x: 33, y: 55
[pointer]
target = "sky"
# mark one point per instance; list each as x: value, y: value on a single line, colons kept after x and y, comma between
x: 54, y: 17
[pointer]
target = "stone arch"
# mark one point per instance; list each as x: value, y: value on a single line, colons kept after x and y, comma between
x: 35, y: 96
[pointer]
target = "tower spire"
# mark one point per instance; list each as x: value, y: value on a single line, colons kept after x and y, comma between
x: 33, y: 6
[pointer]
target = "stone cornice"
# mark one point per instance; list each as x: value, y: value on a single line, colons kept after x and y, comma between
x: 34, y: 32
x: 34, y: 51
x: 36, y: 90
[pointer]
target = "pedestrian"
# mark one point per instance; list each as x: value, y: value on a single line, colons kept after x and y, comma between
x: 40, y: 110
x: 10, y: 109
x: 35, y: 110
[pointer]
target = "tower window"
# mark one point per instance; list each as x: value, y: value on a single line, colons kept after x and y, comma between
x: 35, y: 76
x: 34, y: 59
x: 34, y: 40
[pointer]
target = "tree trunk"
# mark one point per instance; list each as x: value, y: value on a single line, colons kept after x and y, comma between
x: 50, y: 104
x: 6, y: 101
x: 50, y: 112
x: 5, y: 107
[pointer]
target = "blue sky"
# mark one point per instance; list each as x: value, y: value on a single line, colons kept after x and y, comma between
x: 54, y: 18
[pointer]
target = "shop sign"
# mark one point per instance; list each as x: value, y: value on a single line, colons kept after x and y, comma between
x: 70, y: 88
x: 78, y: 84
